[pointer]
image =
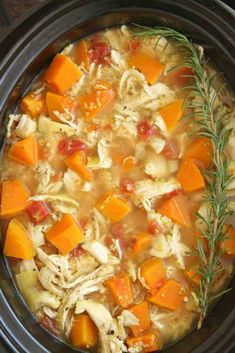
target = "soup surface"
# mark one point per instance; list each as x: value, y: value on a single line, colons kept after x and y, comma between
x: 101, y: 182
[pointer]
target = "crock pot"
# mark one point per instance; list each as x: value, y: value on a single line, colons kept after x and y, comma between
x: 27, y: 47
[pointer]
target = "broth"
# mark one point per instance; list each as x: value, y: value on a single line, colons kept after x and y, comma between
x: 101, y: 182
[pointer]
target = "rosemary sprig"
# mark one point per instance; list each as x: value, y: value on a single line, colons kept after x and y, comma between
x: 205, y: 101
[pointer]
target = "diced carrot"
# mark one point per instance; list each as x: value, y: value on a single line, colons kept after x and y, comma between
x: 77, y: 162
x: 113, y: 207
x: 121, y: 289
x: 228, y: 245
x: 201, y: 150
x: 18, y: 243
x: 151, y: 68
x: 81, y: 54
x: 193, y: 275
x: 14, y: 198
x: 170, y: 295
x: 148, y: 342
x: 93, y: 103
x: 141, y: 312
x: 141, y: 242
x: 190, y: 176
x: 129, y: 163
x: 177, y: 209
x: 84, y: 333
x: 65, y: 235
x: 61, y: 104
x: 153, y: 273
x: 62, y: 74
x: 172, y: 113
x: 33, y: 105
x: 25, y: 151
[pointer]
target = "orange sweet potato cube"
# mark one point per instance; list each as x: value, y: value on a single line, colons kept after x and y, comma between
x: 65, y: 235
x: 84, y: 333
x: 113, y: 207
x: 153, y: 273
x: 33, y: 105
x: 121, y: 289
x: 62, y: 74
x: 170, y: 295
x: 141, y: 312
x: 148, y: 341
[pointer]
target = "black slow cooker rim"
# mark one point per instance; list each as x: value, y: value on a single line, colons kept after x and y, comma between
x: 224, y: 335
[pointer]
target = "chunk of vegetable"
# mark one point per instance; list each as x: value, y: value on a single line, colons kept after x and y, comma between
x: 65, y: 235
x: 141, y: 311
x: 33, y: 105
x: 46, y: 126
x: 121, y: 289
x: 99, y: 53
x: 27, y: 281
x: 177, y: 209
x: 201, y: 150
x: 113, y: 207
x: 117, y: 230
x: 190, y: 176
x: 93, y: 103
x: 145, y: 129
x: 84, y: 333
x: 37, y: 211
x: 127, y: 185
x: 71, y: 145
x: 14, y: 198
x: 170, y: 295
x: 148, y: 342
x: 62, y: 74
x: 172, y: 113
x: 151, y: 68
x: 81, y: 54
x: 77, y: 162
x: 25, y: 151
x: 193, y: 275
x: 228, y: 245
x: 18, y: 243
x: 153, y: 273
x: 141, y: 242
x: 58, y: 103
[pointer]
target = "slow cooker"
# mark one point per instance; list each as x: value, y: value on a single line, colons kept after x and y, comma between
x: 27, y: 47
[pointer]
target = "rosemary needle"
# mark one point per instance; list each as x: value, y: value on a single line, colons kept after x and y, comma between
x: 209, y: 123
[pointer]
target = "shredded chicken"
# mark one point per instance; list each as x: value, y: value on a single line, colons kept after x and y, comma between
x: 171, y: 245
x: 98, y: 250
x: 147, y: 191
x: 46, y: 126
x: 43, y: 174
x: 36, y: 232
x: 71, y: 181
x: 26, y: 126
x: 61, y: 203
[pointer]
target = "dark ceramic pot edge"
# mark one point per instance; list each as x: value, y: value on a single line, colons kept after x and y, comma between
x: 222, y: 334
